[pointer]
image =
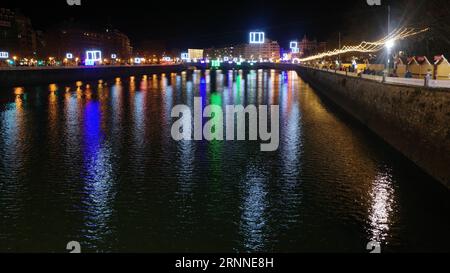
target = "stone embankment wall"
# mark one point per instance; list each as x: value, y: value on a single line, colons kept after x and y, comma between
x: 414, y: 120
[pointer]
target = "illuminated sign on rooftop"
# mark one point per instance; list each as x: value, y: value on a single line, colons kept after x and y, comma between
x: 257, y: 37
x: 184, y: 56
x: 93, y: 57
x: 4, y: 55
x: 294, y: 47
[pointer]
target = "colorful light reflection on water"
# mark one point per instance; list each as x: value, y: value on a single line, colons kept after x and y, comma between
x: 94, y: 162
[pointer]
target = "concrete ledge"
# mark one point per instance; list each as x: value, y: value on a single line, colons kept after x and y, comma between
x: 414, y: 120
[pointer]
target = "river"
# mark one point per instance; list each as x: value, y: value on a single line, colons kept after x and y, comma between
x: 94, y: 162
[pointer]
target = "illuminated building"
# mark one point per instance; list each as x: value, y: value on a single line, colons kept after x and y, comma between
x: 220, y: 53
x: 195, y: 54
x: 74, y: 38
x: 267, y: 50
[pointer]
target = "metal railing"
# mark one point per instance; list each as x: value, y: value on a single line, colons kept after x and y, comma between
x: 391, y: 80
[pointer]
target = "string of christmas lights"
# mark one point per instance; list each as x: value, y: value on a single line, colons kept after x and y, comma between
x: 369, y: 47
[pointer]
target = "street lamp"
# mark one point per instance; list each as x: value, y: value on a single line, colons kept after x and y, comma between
x: 390, y: 44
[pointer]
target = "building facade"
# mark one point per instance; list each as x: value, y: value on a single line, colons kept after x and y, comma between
x: 266, y: 51
x: 220, y: 53
x: 195, y: 54
x: 311, y: 47
x: 8, y: 33
x: 76, y: 40
x: 26, y: 36
x: 151, y: 49
x: 17, y: 35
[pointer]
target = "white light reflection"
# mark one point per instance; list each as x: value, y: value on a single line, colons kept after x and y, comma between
x: 138, y: 105
x: 186, y: 148
x: 239, y: 89
x: 380, y: 213
x: 167, y: 97
x: 12, y: 160
x: 220, y: 81
x: 291, y: 142
x: 254, y: 206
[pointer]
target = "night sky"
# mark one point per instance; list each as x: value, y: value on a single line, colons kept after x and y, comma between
x: 213, y: 23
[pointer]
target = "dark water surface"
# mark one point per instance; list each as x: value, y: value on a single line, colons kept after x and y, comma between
x: 96, y: 163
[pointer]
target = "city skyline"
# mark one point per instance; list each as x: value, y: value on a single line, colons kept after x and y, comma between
x: 175, y: 24
x: 68, y: 42
x: 217, y: 26
x: 213, y: 27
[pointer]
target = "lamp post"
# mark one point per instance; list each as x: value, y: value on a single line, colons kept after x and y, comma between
x: 390, y: 43
x: 339, y: 57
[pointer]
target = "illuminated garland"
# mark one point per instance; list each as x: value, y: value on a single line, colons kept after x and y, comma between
x: 369, y: 47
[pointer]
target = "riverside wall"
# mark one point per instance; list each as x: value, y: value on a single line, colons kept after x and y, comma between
x: 414, y: 120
